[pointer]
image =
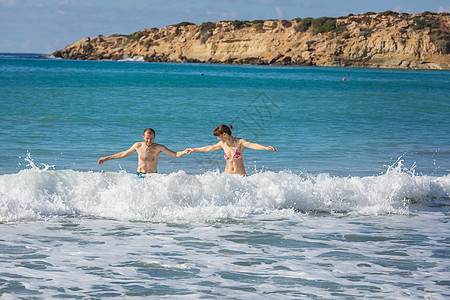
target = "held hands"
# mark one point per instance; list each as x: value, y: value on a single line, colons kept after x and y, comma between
x: 181, y: 153
x: 189, y: 150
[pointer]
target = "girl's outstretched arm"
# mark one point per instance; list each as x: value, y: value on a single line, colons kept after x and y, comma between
x: 204, y: 148
x: 256, y: 146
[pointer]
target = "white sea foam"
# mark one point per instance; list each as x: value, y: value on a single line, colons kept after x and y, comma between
x: 39, y: 193
x: 137, y: 58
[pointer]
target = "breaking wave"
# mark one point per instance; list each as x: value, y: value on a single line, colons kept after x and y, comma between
x: 39, y: 193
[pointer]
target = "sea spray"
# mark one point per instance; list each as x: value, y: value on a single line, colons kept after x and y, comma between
x: 39, y: 193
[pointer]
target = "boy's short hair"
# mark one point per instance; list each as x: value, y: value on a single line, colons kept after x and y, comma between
x: 149, y: 130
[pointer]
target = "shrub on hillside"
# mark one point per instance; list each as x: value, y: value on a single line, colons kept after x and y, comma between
x: 422, y: 22
x: 207, y: 27
x: 257, y: 22
x: 239, y: 24
x: 389, y: 13
x: 323, y: 24
x: 304, y: 24
x: 182, y: 24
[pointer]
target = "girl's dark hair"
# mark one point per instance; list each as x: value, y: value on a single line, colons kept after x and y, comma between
x: 149, y: 130
x: 221, y: 129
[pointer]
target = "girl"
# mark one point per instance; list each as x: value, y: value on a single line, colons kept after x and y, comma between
x: 233, y: 148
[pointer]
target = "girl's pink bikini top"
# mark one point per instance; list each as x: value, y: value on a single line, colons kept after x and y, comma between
x: 237, y: 154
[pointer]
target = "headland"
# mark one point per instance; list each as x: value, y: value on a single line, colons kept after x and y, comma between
x: 376, y: 40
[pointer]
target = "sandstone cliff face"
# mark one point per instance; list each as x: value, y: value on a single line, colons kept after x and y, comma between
x: 382, y: 41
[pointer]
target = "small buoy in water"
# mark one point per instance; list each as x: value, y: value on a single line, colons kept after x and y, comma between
x: 344, y: 79
x: 202, y: 74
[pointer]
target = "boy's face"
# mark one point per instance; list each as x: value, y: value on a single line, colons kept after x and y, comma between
x: 148, y: 138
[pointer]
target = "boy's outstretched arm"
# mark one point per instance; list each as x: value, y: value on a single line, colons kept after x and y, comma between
x: 118, y: 155
x: 172, y: 153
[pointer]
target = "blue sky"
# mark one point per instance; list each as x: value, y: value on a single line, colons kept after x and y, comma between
x: 43, y: 26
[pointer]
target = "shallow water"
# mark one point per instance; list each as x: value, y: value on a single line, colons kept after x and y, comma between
x: 281, y: 255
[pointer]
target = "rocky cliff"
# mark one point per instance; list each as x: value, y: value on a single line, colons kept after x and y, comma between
x: 383, y: 40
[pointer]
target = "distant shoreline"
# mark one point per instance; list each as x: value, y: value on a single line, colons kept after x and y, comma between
x: 373, y: 40
x: 26, y: 53
x: 49, y: 56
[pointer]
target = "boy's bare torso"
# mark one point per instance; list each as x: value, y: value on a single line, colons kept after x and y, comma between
x: 148, y: 157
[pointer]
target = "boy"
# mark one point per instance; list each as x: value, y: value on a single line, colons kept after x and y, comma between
x: 148, y: 153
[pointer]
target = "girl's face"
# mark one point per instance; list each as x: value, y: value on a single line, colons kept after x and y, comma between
x: 222, y: 137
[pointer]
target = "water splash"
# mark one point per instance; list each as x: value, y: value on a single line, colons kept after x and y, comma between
x: 31, y: 164
x: 40, y: 193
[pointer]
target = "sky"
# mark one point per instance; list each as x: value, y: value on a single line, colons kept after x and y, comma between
x: 44, y: 26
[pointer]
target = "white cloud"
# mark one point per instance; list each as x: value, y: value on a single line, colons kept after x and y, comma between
x: 8, y: 3
x: 313, y: 4
x: 26, y: 45
x: 66, y: 2
x: 442, y: 9
x: 7, y: 45
x: 279, y: 12
x: 223, y: 14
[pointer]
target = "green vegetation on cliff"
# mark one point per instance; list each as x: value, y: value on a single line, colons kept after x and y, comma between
x: 207, y: 27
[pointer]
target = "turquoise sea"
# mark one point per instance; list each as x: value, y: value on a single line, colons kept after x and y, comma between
x: 355, y: 202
